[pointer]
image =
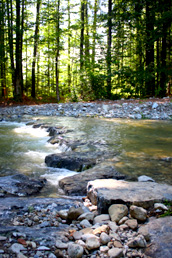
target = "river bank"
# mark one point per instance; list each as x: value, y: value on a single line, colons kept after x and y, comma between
x: 155, y: 109
x: 45, y: 228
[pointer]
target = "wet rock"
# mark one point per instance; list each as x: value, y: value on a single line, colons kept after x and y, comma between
x: 20, y: 185
x: 145, y: 179
x: 75, y: 251
x: 117, y: 212
x: 77, y: 184
x: 138, y: 213
x: 72, y: 162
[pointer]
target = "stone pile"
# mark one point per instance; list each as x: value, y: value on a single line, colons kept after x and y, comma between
x: 119, y: 233
x: 134, y: 109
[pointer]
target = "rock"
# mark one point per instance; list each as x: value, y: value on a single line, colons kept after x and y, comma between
x: 115, y: 253
x: 87, y: 231
x: 117, y: 244
x: 77, y: 184
x: 144, y: 194
x: 160, y: 206
x: 117, y: 212
x: 101, y: 219
x: 63, y: 214
x: 99, y: 230
x: 104, y: 238
x: 104, y: 249
x: 160, y: 231
x: 155, y: 105
x: 74, y: 213
x: 21, y: 185
x: 145, y: 179
x: 16, y: 248
x: 143, y: 230
x: 60, y: 245
x: 113, y: 226
x: 88, y: 215
x: 43, y: 248
x: 3, y: 238
x: 85, y: 223
x: 77, y: 235
x: 75, y: 251
x: 137, y: 242
x: 51, y: 255
x: 92, y: 243
x: 74, y: 161
x: 132, y: 223
x: 20, y: 255
x: 138, y: 213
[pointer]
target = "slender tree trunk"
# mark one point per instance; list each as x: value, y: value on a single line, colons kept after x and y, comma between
x: 109, y: 43
x: 10, y: 41
x: 87, y: 44
x: 69, y: 49
x: 94, y: 29
x: 2, y: 49
x: 58, y: 50
x: 150, y: 73
x: 82, y: 47
x: 36, y: 38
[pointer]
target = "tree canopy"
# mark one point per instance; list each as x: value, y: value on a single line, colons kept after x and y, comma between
x: 85, y: 49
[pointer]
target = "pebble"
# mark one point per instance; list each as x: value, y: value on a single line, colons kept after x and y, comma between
x: 149, y: 110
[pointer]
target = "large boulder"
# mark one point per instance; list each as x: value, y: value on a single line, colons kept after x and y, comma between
x: 105, y: 192
x: 20, y: 185
x: 77, y: 184
x: 160, y: 231
x: 72, y: 161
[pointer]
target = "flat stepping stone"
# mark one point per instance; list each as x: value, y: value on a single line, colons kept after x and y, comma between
x: 104, y: 192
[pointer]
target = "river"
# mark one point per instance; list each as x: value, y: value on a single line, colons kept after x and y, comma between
x: 141, y: 147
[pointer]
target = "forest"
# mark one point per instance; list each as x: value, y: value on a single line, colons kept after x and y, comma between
x: 85, y: 49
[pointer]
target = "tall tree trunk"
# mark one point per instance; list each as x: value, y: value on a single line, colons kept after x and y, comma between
x: 69, y: 49
x: 87, y: 44
x: 58, y: 50
x: 18, y: 89
x: 109, y: 43
x: 2, y: 49
x: 82, y: 46
x: 10, y: 41
x: 94, y: 29
x: 36, y: 38
x: 150, y: 73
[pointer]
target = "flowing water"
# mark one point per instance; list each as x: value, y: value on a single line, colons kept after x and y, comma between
x: 141, y: 147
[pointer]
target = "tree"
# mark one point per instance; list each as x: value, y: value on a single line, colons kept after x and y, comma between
x: 2, y: 49
x: 36, y: 38
x: 57, y: 50
x: 109, y: 43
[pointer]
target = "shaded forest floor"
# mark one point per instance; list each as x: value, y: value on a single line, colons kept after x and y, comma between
x: 29, y: 101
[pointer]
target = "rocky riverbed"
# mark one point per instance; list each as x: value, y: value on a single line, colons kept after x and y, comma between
x: 115, y: 218
x: 156, y: 109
